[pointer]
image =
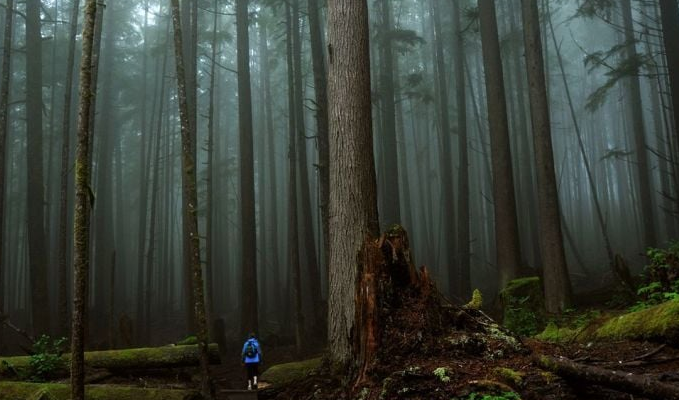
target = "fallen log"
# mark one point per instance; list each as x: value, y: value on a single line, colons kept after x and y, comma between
x: 626, y: 382
x: 58, y: 391
x: 119, y: 360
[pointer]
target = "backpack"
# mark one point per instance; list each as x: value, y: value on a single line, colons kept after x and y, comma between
x: 250, y: 350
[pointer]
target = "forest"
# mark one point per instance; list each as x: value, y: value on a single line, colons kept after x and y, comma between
x: 339, y: 199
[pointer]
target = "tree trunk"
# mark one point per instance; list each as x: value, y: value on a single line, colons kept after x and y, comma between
x: 352, y: 171
x: 508, y: 250
x: 643, y: 172
x: 313, y: 273
x: 65, y: 168
x: 670, y: 28
x: 190, y: 194
x: 321, y: 94
x: 143, y: 185
x: 210, y: 235
x: 557, y: 285
x: 35, y: 191
x: 81, y: 225
x: 463, y: 236
x: 293, y: 232
x: 249, y: 314
x: 389, y: 199
x: 4, y: 127
x: 445, y: 157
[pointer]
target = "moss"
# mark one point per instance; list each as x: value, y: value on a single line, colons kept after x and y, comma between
x: 509, y: 376
x: 150, y: 357
x: 660, y: 322
x: 189, y: 340
x: 477, y: 300
x: 55, y: 391
x: 283, y: 374
x: 523, y: 306
x: 548, y: 377
x: 555, y: 334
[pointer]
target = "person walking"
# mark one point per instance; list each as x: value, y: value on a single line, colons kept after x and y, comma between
x: 251, y: 357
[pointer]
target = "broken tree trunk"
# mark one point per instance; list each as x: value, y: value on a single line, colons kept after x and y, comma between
x: 56, y: 391
x: 642, y: 385
x: 121, y: 360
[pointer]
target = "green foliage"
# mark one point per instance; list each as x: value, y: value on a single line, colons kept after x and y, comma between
x: 523, y: 306
x: 661, y: 277
x: 46, y: 358
x: 442, y: 374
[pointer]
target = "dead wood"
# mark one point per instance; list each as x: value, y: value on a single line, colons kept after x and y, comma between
x: 642, y: 385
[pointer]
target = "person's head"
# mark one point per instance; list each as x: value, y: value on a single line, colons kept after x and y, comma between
x: 252, y: 335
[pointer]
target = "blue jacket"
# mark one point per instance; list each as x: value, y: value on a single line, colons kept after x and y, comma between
x: 258, y: 352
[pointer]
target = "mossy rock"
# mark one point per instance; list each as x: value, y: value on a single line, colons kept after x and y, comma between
x: 523, y: 306
x: 283, y: 374
x: 658, y: 323
x: 56, y: 391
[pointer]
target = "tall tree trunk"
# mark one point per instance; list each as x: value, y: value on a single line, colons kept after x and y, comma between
x: 35, y: 191
x: 352, y: 170
x: 210, y: 236
x: 463, y: 236
x: 273, y: 181
x: 150, y: 252
x: 4, y: 126
x: 670, y: 28
x: 190, y: 192
x: 293, y: 232
x: 65, y: 168
x: 305, y: 194
x: 249, y: 315
x: 508, y: 250
x: 639, y: 131
x: 143, y: 184
x: 81, y: 224
x: 447, y: 220
x: 556, y: 281
x: 389, y: 199
x: 321, y: 94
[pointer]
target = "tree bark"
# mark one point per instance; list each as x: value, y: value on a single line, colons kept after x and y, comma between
x: 354, y: 218
x: 445, y: 157
x: 4, y: 127
x: 190, y: 195
x: 508, y: 250
x: 249, y: 314
x: 389, y: 199
x: 35, y: 191
x: 670, y: 28
x: 65, y: 168
x: 81, y: 225
x: 557, y: 285
x: 463, y: 283
x: 293, y: 232
x: 321, y: 95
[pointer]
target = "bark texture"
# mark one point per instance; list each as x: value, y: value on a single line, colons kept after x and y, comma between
x: 83, y: 205
x: 35, y: 192
x: 670, y: 27
x: 508, y: 251
x: 249, y: 307
x: 556, y: 281
x: 190, y: 196
x: 353, y: 198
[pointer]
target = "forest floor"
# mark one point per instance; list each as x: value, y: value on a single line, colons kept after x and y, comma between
x: 413, y: 376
